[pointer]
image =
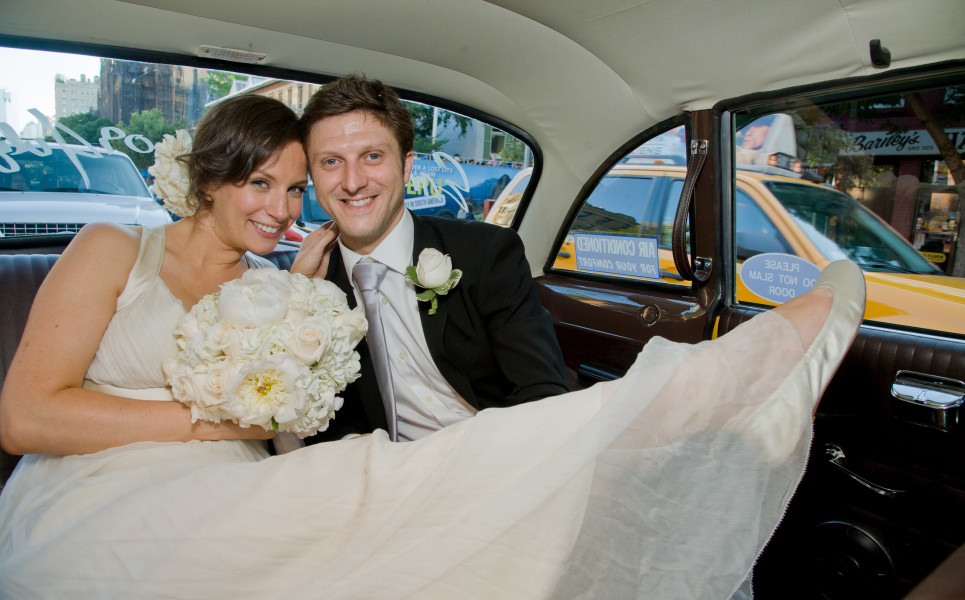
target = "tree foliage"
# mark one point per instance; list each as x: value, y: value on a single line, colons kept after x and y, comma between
x: 150, y: 124
x: 425, y: 145
x: 220, y: 82
x: 422, y: 120
x: 513, y: 150
x: 87, y: 125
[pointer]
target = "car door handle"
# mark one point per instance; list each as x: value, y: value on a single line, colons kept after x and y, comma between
x: 927, y: 400
x: 838, y: 461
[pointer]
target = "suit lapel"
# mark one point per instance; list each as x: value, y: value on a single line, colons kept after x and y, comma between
x: 338, y: 276
x: 434, y: 326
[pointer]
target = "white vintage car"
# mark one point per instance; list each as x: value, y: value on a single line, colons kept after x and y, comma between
x: 57, y: 189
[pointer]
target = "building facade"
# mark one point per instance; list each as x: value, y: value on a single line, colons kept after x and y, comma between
x: 75, y: 96
x: 910, y: 185
x: 128, y: 87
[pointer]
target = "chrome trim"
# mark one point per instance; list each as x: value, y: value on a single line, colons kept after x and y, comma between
x: 940, y: 393
x: 838, y: 461
x: 20, y: 229
x: 927, y: 400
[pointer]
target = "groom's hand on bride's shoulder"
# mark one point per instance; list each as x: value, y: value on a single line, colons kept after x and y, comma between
x: 316, y: 249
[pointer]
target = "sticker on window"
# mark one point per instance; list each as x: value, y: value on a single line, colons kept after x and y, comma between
x: 425, y: 202
x: 778, y: 277
x: 617, y: 255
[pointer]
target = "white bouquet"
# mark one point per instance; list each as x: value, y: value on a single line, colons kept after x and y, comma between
x: 271, y: 349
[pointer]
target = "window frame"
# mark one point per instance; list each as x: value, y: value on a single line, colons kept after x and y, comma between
x: 878, y: 84
x: 587, y: 190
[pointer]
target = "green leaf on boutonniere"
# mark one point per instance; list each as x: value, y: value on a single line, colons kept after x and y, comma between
x: 412, y: 276
x: 451, y: 283
x: 431, y: 297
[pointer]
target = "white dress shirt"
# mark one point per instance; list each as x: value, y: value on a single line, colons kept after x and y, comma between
x: 425, y: 402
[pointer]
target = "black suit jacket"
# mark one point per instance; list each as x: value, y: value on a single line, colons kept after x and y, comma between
x: 491, y: 338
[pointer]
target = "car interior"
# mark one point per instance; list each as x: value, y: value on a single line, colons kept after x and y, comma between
x: 582, y: 86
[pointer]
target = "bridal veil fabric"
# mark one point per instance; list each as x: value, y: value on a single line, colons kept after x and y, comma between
x: 664, y: 484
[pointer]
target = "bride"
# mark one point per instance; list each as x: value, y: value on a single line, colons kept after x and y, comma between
x: 664, y: 484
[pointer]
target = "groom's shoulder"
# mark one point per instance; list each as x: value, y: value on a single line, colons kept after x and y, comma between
x: 461, y: 231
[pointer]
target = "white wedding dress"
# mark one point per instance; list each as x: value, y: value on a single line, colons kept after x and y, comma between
x: 665, y: 484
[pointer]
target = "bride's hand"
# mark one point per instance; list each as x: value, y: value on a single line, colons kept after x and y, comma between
x: 312, y: 259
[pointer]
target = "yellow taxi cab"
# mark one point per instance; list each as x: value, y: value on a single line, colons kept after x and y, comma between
x: 776, y: 215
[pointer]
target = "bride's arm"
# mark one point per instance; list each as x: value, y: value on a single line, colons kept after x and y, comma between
x: 43, y: 408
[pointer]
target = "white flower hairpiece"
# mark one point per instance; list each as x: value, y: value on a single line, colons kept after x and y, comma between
x: 172, y: 183
x: 433, y: 272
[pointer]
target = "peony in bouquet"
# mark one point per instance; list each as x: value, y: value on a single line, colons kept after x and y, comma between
x: 271, y: 349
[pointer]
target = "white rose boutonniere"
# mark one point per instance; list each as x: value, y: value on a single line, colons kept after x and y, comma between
x: 433, y: 272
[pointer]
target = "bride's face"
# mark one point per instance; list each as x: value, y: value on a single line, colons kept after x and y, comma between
x: 254, y: 214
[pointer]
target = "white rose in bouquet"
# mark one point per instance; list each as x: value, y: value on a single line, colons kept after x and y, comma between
x: 219, y: 336
x: 312, y: 337
x: 302, y: 299
x: 271, y: 349
x: 215, y: 382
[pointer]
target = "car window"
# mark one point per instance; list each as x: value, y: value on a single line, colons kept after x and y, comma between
x: 756, y: 232
x: 84, y: 127
x: 670, y: 213
x: 877, y: 179
x: 447, y: 185
x: 502, y: 210
x: 111, y: 174
x: 624, y: 227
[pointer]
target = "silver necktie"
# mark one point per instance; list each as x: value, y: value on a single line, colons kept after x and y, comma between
x: 368, y: 275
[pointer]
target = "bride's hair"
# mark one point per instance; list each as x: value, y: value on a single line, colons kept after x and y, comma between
x: 236, y: 137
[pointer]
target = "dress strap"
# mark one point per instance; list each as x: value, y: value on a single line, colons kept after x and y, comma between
x: 258, y: 262
x: 146, y: 267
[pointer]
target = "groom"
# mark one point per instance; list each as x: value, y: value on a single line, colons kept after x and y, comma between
x: 489, y: 343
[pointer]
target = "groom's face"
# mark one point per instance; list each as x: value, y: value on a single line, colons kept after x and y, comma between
x: 360, y: 176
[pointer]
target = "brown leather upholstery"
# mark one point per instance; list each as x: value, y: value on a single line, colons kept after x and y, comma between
x: 20, y: 277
